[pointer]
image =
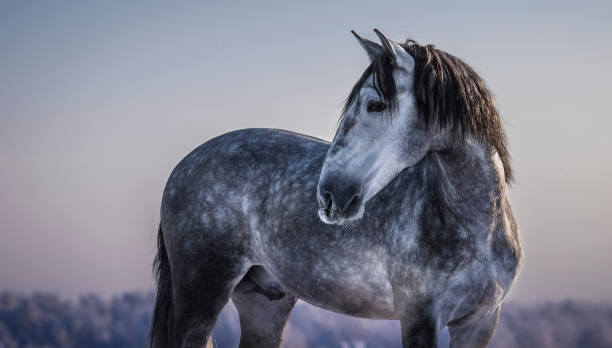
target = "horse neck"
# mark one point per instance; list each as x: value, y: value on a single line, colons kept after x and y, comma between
x: 468, y: 178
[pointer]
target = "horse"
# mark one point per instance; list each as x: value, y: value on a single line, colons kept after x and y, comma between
x: 403, y: 216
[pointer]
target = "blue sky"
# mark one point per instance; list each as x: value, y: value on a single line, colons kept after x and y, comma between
x: 99, y: 100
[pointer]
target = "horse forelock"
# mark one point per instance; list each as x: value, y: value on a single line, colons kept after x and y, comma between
x: 381, y: 70
x: 449, y: 95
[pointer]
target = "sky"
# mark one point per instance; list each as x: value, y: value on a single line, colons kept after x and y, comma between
x: 100, y: 100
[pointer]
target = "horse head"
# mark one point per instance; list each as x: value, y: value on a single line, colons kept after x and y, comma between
x: 379, y: 135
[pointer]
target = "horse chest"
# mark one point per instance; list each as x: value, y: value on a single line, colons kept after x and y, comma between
x: 428, y: 259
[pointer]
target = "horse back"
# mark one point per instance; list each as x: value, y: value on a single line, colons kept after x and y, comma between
x: 218, y: 192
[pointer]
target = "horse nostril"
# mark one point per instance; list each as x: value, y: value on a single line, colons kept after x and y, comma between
x: 328, y: 202
x: 353, y: 205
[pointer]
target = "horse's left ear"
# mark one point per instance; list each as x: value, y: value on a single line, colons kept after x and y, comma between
x: 373, y: 49
x: 402, y: 58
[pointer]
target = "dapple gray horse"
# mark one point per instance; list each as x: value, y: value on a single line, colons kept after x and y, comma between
x: 403, y: 216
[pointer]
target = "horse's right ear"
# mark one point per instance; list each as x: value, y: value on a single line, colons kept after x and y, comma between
x: 373, y: 49
x: 402, y: 58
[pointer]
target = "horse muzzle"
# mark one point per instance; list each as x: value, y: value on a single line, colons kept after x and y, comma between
x: 339, y: 201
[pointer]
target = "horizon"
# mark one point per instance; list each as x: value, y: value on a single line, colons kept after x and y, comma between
x: 124, y: 322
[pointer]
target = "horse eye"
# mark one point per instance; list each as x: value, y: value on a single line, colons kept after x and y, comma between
x: 376, y: 106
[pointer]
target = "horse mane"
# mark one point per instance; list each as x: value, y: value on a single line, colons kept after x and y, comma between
x: 449, y: 94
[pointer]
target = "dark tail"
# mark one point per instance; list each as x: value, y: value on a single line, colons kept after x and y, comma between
x: 162, y: 326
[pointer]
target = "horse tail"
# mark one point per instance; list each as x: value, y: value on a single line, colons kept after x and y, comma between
x: 162, y: 325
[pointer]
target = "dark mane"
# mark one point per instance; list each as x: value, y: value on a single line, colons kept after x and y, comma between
x: 449, y: 94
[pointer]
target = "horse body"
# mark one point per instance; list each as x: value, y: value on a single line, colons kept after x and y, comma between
x: 250, y: 196
x: 421, y: 232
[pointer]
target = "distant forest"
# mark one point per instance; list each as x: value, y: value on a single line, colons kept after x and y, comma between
x: 46, y: 320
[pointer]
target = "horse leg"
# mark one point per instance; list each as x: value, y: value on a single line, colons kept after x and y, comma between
x: 201, y: 288
x: 419, y: 332
x: 477, y: 334
x: 419, y: 326
x: 262, y: 320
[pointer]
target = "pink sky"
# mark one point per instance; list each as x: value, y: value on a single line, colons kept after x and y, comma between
x: 98, y: 102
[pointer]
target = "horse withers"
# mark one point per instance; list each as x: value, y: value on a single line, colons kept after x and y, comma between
x: 403, y: 216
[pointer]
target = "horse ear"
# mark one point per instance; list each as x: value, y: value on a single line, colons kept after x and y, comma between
x: 402, y: 58
x: 373, y: 49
